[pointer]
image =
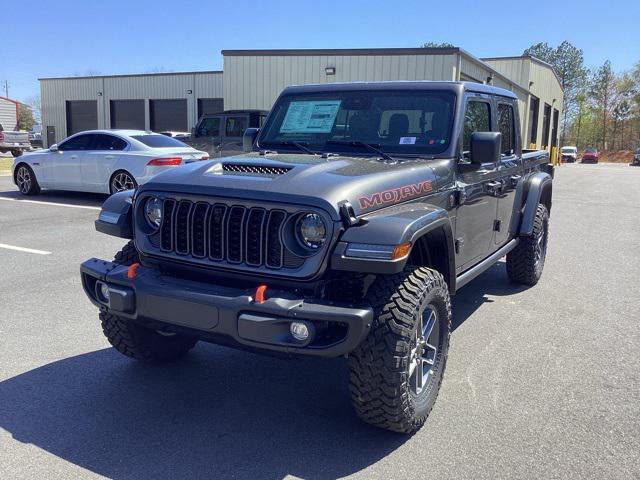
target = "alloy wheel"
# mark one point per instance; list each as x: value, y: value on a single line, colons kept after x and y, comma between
x: 23, y: 179
x: 424, y: 350
x: 122, y: 181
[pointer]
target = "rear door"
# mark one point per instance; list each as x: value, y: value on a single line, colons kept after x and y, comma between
x: 64, y: 167
x: 98, y: 163
x: 509, y: 167
x: 477, y: 185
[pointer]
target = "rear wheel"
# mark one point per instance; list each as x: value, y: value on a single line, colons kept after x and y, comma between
x: 396, y: 372
x: 121, y: 181
x: 526, y: 262
x: 26, y: 180
x: 136, y: 341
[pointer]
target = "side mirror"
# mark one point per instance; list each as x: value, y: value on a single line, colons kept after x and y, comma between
x: 485, y: 147
x: 248, y: 138
x: 54, y: 147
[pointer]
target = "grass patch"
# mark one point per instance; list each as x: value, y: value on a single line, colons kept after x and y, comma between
x: 5, y: 163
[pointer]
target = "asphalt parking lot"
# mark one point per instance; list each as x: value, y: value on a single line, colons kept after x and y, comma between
x: 541, y: 382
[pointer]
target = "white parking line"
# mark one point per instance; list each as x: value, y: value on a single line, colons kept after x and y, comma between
x: 86, y: 207
x: 23, y: 249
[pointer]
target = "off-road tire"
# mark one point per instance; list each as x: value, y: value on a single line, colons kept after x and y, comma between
x: 136, y: 341
x: 379, y: 367
x: 28, y: 188
x: 522, y: 264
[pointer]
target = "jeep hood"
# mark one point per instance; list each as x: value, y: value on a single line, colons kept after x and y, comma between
x: 367, y: 183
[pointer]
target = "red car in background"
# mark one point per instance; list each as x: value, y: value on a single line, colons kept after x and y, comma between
x: 590, y: 155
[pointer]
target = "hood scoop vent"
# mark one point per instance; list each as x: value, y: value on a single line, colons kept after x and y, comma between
x: 251, y: 168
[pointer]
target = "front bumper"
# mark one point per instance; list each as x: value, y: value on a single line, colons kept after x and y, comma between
x: 226, y: 315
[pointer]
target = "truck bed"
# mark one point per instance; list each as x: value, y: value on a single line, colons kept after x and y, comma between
x: 533, y: 158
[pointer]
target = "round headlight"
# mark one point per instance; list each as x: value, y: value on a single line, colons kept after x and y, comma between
x: 311, y: 231
x: 153, y: 211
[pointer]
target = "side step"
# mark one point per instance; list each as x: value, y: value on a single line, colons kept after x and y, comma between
x: 473, y: 272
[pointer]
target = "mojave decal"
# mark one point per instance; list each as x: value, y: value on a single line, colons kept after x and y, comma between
x: 395, y: 195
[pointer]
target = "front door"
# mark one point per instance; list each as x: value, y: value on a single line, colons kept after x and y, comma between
x: 64, y: 166
x: 478, y: 187
x: 509, y: 169
x: 234, y: 127
x: 207, y: 135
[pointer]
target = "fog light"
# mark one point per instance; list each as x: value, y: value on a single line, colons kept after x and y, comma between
x: 103, y: 289
x: 299, y: 331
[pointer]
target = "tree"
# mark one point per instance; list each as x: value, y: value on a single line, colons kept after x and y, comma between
x: 437, y: 45
x: 601, y: 91
x: 34, y: 103
x: 25, y: 117
x: 568, y: 63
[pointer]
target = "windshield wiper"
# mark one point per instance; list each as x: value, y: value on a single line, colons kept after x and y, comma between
x: 372, y: 147
x: 298, y: 145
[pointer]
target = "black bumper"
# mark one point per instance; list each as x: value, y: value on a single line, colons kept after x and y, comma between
x: 213, y: 311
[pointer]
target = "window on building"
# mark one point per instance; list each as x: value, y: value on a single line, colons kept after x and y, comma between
x: 81, y: 115
x: 208, y: 106
x: 235, y: 126
x: 477, y: 119
x: 127, y: 114
x: 534, y: 111
x: 168, y: 115
x: 507, y: 128
x: 108, y: 142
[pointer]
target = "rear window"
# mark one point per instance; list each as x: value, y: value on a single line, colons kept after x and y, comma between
x: 159, y: 141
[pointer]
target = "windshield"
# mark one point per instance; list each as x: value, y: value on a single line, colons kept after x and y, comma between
x: 569, y: 150
x: 590, y: 150
x: 159, y: 141
x: 414, y: 122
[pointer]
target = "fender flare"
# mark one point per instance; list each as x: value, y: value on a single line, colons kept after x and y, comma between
x: 537, y: 186
x: 116, y: 218
x: 408, y: 223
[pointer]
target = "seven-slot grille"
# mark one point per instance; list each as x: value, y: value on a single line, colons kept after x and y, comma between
x: 223, y: 233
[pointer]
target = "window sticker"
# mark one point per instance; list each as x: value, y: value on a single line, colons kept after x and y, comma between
x: 310, y: 116
x: 407, y: 140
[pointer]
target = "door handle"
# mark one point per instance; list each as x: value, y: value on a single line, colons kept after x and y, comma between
x: 515, y: 179
x: 494, y: 187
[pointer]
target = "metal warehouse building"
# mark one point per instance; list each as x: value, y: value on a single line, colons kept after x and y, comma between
x: 252, y: 79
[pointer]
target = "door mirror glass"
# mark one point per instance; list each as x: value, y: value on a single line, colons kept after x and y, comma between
x: 485, y: 147
x: 248, y: 138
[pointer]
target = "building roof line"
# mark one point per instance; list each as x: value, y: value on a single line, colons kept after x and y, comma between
x: 159, y: 74
x: 341, y: 51
x: 532, y: 58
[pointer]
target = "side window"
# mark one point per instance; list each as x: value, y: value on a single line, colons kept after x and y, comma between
x: 477, y: 118
x: 209, y: 127
x: 507, y: 129
x: 81, y: 142
x: 108, y: 142
x: 235, y: 126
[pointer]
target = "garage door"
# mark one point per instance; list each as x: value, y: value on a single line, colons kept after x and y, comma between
x: 81, y: 115
x: 127, y: 114
x: 168, y: 115
x: 210, y: 105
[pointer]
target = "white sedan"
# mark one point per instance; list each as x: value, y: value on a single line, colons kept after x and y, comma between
x: 101, y: 161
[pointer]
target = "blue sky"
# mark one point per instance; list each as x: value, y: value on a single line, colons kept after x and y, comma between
x: 62, y: 37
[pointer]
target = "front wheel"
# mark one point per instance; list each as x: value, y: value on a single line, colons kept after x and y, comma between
x: 26, y: 180
x: 134, y: 340
x: 121, y: 181
x: 526, y: 262
x: 396, y: 372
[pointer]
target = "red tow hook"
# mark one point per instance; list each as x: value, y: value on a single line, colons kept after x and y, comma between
x: 260, y: 291
x: 131, y: 271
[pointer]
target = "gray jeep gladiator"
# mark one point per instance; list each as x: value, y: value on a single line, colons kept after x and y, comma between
x: 356, y: 212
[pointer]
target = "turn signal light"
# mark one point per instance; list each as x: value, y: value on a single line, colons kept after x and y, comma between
x: 401, y: 251
x: 205, y: 157
x: 164, y: 162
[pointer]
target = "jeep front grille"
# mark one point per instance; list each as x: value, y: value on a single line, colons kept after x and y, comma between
x: 234, y: 234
